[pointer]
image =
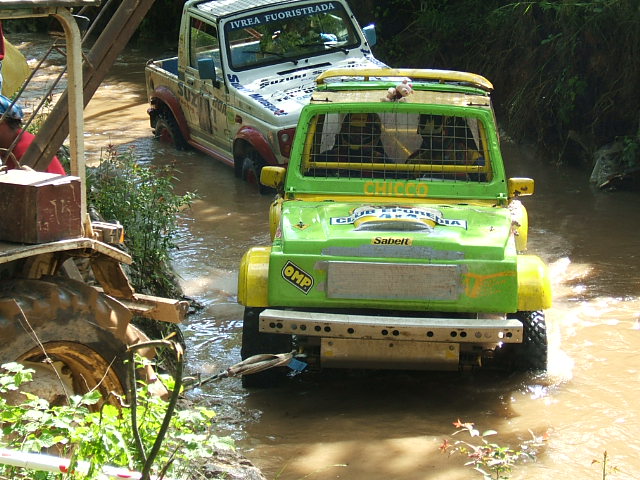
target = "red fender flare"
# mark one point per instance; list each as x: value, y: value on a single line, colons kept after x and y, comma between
x: 258, y: 141
x: 164, y: 95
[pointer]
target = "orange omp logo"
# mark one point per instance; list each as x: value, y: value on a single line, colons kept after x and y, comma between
x: 297, y: 277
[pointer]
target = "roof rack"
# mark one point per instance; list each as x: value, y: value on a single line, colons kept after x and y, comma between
x: 441, y: 76
x: 15, y: 4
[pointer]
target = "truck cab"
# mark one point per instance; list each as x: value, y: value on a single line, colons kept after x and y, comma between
x: 243, y: 73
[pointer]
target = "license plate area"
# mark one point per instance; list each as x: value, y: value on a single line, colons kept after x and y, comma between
x: 388, y: 354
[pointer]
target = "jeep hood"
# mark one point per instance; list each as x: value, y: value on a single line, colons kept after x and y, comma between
x: 419, y: 232
x: 278, y: 92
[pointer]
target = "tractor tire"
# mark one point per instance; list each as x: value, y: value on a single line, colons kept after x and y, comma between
x: 255, y: 342
x: 168, y: 132
x: 84, y: 333
x: 531, y: 354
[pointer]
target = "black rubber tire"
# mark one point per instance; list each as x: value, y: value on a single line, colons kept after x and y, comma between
x: 167, y: 130
x: 531, y: 354
x: 85, y: 330
x: 255, y: 342
x: 250, y: 172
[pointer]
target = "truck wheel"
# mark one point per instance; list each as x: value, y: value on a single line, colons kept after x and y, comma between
x: 255, y: 342
x: 83, y: 332
x: 531, y: 354
x: 168, y: 132
x: 251, y: 167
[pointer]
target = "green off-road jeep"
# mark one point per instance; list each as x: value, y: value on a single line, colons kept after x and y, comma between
x: 398, y: 242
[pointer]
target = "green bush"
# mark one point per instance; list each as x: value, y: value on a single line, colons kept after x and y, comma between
x: 101, y: 436
x: 142, y: 199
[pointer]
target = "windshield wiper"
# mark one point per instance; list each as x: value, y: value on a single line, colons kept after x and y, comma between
x: 275, y: 54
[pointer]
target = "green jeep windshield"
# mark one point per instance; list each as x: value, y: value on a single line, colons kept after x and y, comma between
x: 288, y: 34
x: 397, y: 145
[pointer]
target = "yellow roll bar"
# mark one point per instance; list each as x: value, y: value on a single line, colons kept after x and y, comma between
x: 413, y: 73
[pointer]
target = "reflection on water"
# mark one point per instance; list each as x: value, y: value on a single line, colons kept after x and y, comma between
x: 357, y: 425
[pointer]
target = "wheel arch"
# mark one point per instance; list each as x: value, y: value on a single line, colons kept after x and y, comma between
x: 250, y: 137
x: 534, y: 284
x: 163, y: 97
x: 253, y: 278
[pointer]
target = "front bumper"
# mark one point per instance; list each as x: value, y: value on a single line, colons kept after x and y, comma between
x: 393, y: 342
x: 485, y: 329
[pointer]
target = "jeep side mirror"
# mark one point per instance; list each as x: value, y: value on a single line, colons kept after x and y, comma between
x: 519, y: 187
x: 207, y: 70
x: 273, y: 177
x: 370, y: 34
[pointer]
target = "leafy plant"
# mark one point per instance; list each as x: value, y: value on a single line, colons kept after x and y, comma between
x: 492, y: 460
x: 100, y: 437
x: 606, y: 468
x: 142, y: 199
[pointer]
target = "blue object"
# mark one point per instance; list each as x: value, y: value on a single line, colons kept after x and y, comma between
x: 12, y: 111
x: 297, y: 365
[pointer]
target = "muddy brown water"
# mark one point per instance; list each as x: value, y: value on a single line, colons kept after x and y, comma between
x: 381, y: 426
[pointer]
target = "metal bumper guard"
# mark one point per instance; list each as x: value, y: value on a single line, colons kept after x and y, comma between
x: 391, y: 341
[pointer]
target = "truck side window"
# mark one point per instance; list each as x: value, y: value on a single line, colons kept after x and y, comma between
x: 203, y: 43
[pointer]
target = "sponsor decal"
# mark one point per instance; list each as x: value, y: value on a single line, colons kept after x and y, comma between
x: 280, y: 15
x: 398, y: 213
x: 265, y: 82
x: 192, y: 97
x: 297, y: 277
x: 235, y: 81
x: 390, y: 241
x: 398, y: 189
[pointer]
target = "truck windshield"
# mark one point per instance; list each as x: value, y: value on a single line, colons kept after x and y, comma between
x: 397, y: 145
x: 288, y: 34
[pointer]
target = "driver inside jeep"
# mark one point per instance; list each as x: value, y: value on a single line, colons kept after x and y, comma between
x: 358, y: 141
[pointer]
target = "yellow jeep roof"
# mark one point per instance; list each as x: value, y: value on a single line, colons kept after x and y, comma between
x: 418, y: 96
x: 441, y: 76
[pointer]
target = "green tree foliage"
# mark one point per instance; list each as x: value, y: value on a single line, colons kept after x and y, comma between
x: 562, y: 69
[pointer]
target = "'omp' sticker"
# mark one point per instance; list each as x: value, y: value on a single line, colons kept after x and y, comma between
x: 398, y: 213
x: 297, y: 277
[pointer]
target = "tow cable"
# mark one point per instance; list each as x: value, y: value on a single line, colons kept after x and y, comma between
x: 254, y: 364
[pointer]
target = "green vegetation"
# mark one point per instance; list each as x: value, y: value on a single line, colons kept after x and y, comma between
x: 491, y: 460
x: 142, y: 199
x: 565, y: 72
x: 95, y: 434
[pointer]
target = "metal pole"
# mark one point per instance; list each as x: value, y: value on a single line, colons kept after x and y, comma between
x: 75, y: 103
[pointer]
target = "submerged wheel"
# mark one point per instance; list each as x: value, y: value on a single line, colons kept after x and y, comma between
x: 250, y: 172
x: 531, y: 354
x: 167, y: 130
x: 255, y: 342
x: 84, y: 333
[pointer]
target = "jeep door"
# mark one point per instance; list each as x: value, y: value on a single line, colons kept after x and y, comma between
x: 205, y: 93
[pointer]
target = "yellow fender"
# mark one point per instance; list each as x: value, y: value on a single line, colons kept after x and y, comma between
x: 519, y: 225
x: 275, y: 212
x: 253, y: 278
x: 14, y: 69
x: 534, y: 284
